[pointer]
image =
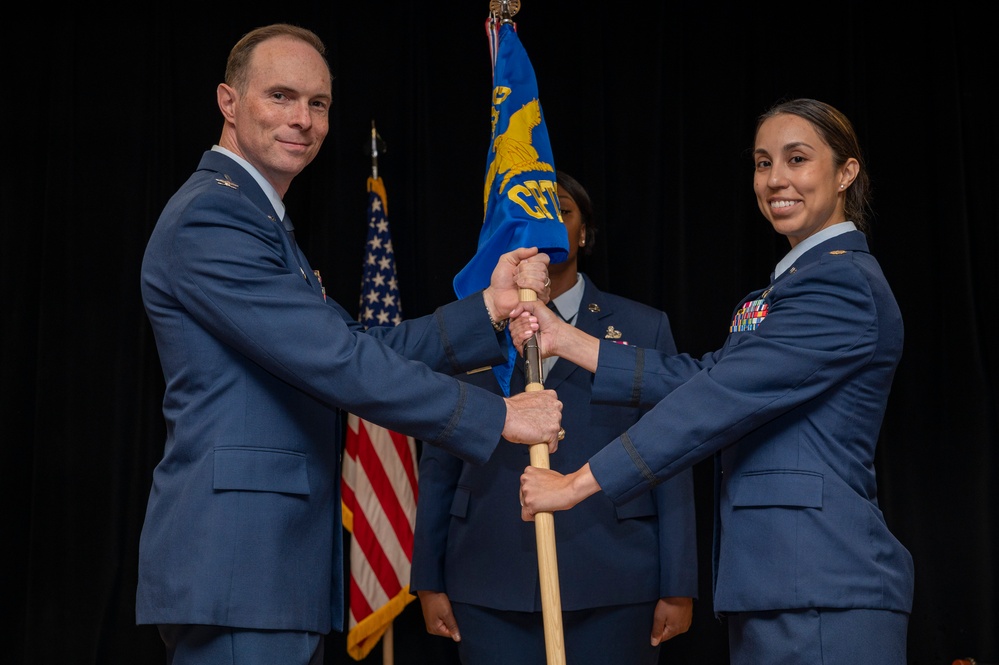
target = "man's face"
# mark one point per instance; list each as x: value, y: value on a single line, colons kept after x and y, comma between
x: 282, y: 118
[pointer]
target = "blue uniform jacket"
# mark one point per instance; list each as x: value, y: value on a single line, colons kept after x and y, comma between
x: 243, y: 523
x: 471, y: 542
x: 792, y: 404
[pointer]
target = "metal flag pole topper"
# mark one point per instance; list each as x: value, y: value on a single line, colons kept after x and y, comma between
x: 544, y: 522
x: 377, y: 145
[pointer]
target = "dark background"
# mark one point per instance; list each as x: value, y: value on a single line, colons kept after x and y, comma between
x: 650, y: 105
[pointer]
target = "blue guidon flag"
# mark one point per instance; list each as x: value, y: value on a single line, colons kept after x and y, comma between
x: 520, y: 197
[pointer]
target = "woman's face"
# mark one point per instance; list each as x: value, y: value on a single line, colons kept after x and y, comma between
x: 798, y: 187
x: 574, y: 227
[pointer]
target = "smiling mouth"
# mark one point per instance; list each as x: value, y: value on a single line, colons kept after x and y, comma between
x: 782, y: 204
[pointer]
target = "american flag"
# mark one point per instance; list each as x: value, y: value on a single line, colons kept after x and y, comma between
x: 379, y: 467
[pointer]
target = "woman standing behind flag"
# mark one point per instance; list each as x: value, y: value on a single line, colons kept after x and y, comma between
x: 627, y: 573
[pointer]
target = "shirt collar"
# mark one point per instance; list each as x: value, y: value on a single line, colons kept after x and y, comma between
x: 568, y: 302
x: 812, y: 241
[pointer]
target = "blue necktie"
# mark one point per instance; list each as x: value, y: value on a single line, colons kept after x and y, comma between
x: 288, y: 226
x: 290, y: 229
x: 552, y: 307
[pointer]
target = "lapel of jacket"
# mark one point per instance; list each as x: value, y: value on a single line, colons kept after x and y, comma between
x: 229, y: 173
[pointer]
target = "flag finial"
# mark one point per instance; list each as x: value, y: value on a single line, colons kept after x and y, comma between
x: 504, y: 9
x: 377, y: 145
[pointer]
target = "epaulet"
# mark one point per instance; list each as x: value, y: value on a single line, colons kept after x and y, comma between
x: 837, y: 252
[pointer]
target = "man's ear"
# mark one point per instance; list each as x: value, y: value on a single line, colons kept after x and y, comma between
x: 227, y: 101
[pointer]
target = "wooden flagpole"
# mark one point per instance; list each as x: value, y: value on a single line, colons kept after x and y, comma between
x: 544, y: 523
x: 388, y: 647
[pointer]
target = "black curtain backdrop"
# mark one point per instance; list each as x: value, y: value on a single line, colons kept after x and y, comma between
x: 650, y: 105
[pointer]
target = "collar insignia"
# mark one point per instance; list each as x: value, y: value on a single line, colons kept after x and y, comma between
x: 226, y: 182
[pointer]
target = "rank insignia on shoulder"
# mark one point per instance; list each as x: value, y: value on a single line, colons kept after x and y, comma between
x: 836, y: 252
x: 226, y: 182
x: 612, y: 333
